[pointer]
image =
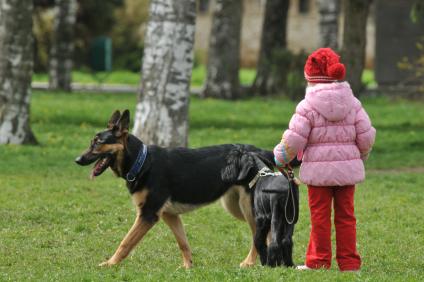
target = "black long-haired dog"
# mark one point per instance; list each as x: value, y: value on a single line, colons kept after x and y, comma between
x: 167, y: 182
x: 276, y: 210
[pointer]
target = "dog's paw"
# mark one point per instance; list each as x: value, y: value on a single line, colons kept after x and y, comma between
x: 246, y: 264
x: 108, y: 263
x: 188, y: 264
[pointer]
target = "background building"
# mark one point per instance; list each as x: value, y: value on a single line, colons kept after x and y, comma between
x: 303, y: 29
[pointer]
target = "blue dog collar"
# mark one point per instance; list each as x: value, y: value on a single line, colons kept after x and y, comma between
x: 138, y: 165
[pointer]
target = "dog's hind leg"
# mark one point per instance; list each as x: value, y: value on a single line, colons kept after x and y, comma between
x: 288, y: 245
x: 262, y: 231
x: 175, y: 224
x: 245, y: 204
x: 275, y: 248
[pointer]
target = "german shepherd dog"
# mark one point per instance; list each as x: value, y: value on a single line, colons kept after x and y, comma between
x: 167, y: 182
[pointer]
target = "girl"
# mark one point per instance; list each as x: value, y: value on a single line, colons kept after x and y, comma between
x: 335, y: 133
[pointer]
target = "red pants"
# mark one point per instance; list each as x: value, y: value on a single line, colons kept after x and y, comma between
x: 318, y: 254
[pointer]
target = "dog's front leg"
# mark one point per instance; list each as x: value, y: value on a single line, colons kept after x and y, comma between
x: 136, y: 233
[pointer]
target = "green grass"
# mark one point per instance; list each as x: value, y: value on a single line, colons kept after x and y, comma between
x: 247, y: 77
x: 56, y: 225
x: 132, y: 78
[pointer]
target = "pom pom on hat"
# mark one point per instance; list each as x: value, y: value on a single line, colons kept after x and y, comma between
x: 323, y: 66
x: 337, y: 71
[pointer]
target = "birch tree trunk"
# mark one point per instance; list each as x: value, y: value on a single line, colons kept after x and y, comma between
x: 329, y: 23
x: 16, y: 63
x: 273, y: 40
x: 162, y: 110
x: 61, y: 52
x: 354, y: 41
x: 222, y: 80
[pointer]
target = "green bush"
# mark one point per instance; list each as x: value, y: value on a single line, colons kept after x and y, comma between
x: 42, y: 30
x: 128, y: 35
x: 122, y: 20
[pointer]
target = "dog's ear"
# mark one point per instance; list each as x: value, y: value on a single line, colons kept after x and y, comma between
x: 230, y: 171
x: 123, y: 124
x: 238, y: 167
x: 114, y: 119
x: 247, y: 163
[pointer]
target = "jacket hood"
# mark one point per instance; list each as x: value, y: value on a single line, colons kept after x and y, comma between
x: 332, y: 100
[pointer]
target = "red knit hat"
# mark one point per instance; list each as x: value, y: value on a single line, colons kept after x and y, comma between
x: 323, y: 66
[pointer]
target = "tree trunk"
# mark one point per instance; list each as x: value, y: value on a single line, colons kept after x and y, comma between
x: 222, y: 79
x: 354, y: 41
x: 61, y: 52
x: 329, y: 23
x: 162, y: 111
x: 16, y: 63
x: 273, y: 42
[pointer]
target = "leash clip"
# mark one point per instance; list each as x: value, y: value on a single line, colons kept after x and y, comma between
x: 263, y: 172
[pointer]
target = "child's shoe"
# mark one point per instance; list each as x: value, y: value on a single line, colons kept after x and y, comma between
x: 303, y: 267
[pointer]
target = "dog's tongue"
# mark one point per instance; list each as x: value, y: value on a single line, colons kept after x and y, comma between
x: 95, y: 169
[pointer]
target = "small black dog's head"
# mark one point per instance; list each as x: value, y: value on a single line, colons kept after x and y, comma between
x: 242, y: 166
x: 107, y: 144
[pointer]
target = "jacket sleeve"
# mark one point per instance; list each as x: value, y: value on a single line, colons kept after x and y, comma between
x: 294, y: 139
x: 365, y: 133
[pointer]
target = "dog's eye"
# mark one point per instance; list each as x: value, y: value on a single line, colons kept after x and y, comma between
x: 96, y: 141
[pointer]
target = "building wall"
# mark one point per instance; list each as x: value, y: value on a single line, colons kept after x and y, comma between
x: 303, y: 31
x: 253, y: 11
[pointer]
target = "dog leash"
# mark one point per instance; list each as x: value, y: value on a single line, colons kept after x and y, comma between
x: 290, y: 176
x: 138, y: 164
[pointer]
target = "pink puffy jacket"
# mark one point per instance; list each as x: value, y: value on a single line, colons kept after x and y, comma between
x: 334, y: 133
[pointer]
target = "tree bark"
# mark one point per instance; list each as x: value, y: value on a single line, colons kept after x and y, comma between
x: 61, y: 52
x: 329, y: 23
x: 162, y: 110
x: 222, y: 80
x: 354, y: 41
x: 16, y: 63
x: 273, y: 41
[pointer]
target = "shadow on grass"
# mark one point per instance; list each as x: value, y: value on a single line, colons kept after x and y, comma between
x: 237, y: 124
x: 401, y: 127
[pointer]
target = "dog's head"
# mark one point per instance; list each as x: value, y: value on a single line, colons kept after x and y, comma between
x: 107, y: 145
x: 242, y: 166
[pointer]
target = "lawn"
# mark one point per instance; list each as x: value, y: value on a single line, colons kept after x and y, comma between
x: 247, y: 77
x: 57, y: 225
x: 133, y: 78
